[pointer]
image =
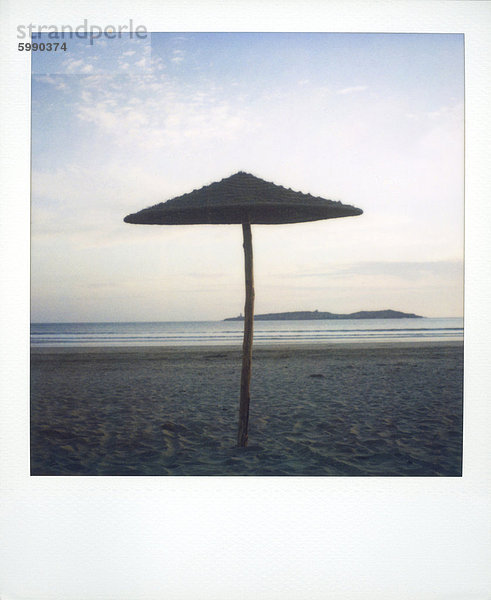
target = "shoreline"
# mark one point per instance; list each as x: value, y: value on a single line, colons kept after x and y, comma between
x: 259, y: 348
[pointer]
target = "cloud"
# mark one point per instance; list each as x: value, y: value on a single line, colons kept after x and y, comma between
x: 54, y: 80
x: 177, y: 56
x: 73, y: 65
x: 351, y: 90
x: 395, y: 271
x: 145, y: 110
x: 83, y: 66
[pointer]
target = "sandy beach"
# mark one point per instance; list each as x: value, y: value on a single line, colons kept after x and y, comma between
x: 338, y: 410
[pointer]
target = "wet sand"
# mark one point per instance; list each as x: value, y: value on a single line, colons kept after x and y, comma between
x: 338, y: 410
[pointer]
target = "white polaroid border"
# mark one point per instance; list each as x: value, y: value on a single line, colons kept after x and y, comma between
x: 218, y: 537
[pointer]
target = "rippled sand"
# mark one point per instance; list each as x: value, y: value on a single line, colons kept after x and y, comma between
x: 324, y: 410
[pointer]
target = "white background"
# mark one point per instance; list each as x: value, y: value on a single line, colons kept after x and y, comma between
x: 263, y: 538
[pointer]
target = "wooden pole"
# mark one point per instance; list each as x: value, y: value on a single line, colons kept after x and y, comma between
x: 245, y: 380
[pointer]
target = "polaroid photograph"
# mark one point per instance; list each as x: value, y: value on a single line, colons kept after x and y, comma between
x: 136, y: 366
x: 246, y: 285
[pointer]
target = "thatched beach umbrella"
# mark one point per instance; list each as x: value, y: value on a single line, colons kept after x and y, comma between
x: 246, y: 200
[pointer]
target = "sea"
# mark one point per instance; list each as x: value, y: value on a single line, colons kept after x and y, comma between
x: 210, y: 333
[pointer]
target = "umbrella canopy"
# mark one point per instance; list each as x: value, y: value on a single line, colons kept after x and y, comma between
x: 242, y: 198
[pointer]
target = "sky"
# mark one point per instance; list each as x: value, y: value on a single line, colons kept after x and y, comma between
x: 372, y: 120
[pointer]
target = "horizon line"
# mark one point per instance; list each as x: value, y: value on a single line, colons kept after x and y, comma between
x: 197, y: 320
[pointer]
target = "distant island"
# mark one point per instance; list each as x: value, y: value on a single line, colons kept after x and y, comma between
x: 307, y: 315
